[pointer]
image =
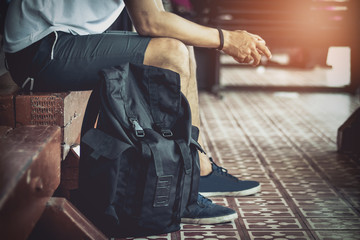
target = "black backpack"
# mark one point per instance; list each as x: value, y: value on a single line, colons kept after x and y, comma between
x: 139, y: 168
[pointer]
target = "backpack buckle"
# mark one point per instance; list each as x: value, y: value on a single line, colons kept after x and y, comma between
x: 166, y: 133
x: 163, y: 131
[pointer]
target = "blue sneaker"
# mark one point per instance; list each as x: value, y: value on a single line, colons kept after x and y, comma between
x: 207, y: 212
x: 220, y: 183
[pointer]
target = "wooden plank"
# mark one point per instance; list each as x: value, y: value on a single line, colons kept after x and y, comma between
x: 29, y: 175
x: 75, y: 105
x: 61, y: 220
x: 65, y: 109
x: 7, y: 107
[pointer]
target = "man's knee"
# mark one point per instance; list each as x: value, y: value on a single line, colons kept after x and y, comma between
x: 170, y: 54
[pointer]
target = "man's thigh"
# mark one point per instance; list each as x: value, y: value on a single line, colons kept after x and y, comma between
x: 71, y: 62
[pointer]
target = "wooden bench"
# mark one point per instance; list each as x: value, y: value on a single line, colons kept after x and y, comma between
x: 63, y: 109
x: 29, y: 175
x: 35, y: 143
x: 305, y: 24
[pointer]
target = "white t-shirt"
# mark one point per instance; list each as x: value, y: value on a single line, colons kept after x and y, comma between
x: 28, y: 21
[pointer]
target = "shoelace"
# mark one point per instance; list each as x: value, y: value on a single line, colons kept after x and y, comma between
x: 203, y: 200
x: 222, y: 171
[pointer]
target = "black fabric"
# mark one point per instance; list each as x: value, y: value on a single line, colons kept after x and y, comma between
x: 4, y: 4
x: 122, y: 23
x: 19, y: 62
x: 139, y: 168
x: 72, y: 62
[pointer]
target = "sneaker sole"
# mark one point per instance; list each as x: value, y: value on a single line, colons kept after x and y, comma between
x: 213, y: 220
x: 247, y: 192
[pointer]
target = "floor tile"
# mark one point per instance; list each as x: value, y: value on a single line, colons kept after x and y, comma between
x: 334, y: 223
x: 312, y: 193
x: 157, y: 237
x: 266, y: 212
x: 216, y: 227
x: 210, y: 235
x: 269, y: 193
x: 320, y: 202
x: 338, y: 235
x: 260, y: 202
x: 332, y: 212
x: 269, y: 235
x: 272, y: 223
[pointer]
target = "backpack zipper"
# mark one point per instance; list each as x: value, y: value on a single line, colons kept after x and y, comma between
x: 139, y: 131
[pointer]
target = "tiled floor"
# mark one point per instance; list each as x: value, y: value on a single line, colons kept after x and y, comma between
x: 287, y: 141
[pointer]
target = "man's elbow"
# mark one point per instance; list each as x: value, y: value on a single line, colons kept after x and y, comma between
x: 148, y: 24
x: 147, y: 29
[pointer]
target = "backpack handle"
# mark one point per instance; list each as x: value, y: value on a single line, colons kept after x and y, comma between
x: 155, y: 110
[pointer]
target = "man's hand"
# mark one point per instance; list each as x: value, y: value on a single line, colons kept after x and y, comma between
x: 245, y: 47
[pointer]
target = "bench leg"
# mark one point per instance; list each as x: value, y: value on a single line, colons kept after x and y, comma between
x: 215, y: 88
x: 208, y: 69
x: 61, y: 220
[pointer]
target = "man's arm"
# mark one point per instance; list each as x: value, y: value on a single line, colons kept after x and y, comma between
x: 150, y: 19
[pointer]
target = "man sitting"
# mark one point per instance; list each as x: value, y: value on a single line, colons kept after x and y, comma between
x: 54, y: 45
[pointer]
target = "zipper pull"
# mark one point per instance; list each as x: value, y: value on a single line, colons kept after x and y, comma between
x: 139, y: 131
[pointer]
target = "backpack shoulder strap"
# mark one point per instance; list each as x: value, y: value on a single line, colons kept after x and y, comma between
x: 91, y: 112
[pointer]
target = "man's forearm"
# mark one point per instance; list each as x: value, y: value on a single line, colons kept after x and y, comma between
x: 188, y: 32
x: 152, y: 20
